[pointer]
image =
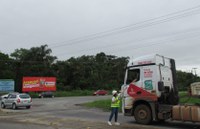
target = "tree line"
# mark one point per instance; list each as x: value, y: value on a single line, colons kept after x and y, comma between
x: 100, y: 71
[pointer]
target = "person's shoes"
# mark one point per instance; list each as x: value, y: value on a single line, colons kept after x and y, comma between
x: 109, y: 123
x: 117, y: 123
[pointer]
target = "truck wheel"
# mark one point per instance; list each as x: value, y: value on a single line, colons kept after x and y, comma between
x: 14, y: 106
x: 3, y: 105
x: 142, y: 114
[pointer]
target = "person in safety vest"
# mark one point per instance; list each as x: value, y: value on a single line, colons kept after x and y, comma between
x: 115, y: 104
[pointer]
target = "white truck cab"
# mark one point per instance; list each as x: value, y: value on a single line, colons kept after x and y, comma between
x: 149, y: 84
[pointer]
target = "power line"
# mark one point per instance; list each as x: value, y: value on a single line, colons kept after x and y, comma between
x: 150, y: 22
x: 130, y: 42
x: 134, y: 48
x: 143, y: 45
x: 184, y: 13
x: 160, y: 42
x: 153, y: 43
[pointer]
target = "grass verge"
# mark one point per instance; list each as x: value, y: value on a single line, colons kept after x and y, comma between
x: 101, y: 104
x: 185, y: 99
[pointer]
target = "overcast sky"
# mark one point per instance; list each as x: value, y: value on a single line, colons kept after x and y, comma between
x: 133, y: 28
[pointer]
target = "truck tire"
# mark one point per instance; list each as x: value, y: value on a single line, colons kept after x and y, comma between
x: 142, y: 114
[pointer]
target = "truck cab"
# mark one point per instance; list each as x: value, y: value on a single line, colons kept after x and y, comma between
x: 149, y: 88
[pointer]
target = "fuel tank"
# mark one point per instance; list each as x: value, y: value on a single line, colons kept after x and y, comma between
x: 186, y: 113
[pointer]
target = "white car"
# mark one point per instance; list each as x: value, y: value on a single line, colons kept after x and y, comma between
x: 16, y: 100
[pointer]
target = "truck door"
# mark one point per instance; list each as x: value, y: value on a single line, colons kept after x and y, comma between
x: 150, y: 78
x: 133, y: 75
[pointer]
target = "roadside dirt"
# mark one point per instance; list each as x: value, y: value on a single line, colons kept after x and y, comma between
x: 6, y: 113
x: 68, y: 123
x: 79, y: 124
x: 63, y: 113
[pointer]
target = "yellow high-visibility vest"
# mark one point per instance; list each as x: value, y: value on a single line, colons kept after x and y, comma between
x: 116, y: 103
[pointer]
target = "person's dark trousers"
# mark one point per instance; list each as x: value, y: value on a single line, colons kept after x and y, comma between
x: 114, y: 111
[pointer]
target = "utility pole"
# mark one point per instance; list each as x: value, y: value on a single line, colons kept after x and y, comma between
x: 195, y: 71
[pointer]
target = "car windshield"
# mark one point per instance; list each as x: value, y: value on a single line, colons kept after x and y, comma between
x: 24, y: 96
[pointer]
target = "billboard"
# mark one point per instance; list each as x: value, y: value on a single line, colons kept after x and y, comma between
x: 7, y: 85
x: 38, y: 84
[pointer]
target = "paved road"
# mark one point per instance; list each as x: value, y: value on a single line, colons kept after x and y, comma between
x: 54, y: 111
x: 16, y: 125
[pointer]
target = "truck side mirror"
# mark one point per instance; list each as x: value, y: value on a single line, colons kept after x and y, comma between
x: 160, y: 86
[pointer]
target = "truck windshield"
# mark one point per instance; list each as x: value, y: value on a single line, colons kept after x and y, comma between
x: 133, y: 75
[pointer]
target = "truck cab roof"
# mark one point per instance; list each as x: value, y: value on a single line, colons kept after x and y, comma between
x: 154, y: 59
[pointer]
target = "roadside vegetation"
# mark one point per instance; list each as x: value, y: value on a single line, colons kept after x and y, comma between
x: 66, y: 93
x: 87, y: 72
x: 186, y: 99
x: 101, y: 104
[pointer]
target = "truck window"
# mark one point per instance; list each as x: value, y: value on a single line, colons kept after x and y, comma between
x: 133, y: 75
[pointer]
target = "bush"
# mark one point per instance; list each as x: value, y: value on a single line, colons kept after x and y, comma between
x: 73, y: 93
x: 33, y: 94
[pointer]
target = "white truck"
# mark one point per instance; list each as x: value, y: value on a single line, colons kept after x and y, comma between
x: 150, y: 91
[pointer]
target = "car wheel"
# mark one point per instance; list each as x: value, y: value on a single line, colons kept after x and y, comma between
x: 142, y: 114
x: 3, y: 105
x: 28, y: 107
x: 14, y: 106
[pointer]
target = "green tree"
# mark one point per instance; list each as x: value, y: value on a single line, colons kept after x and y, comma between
x: 100, y: 71
x: 91, y: 72
x: 184, y: 80
x: 6, y: 67
x: 36, y: 61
